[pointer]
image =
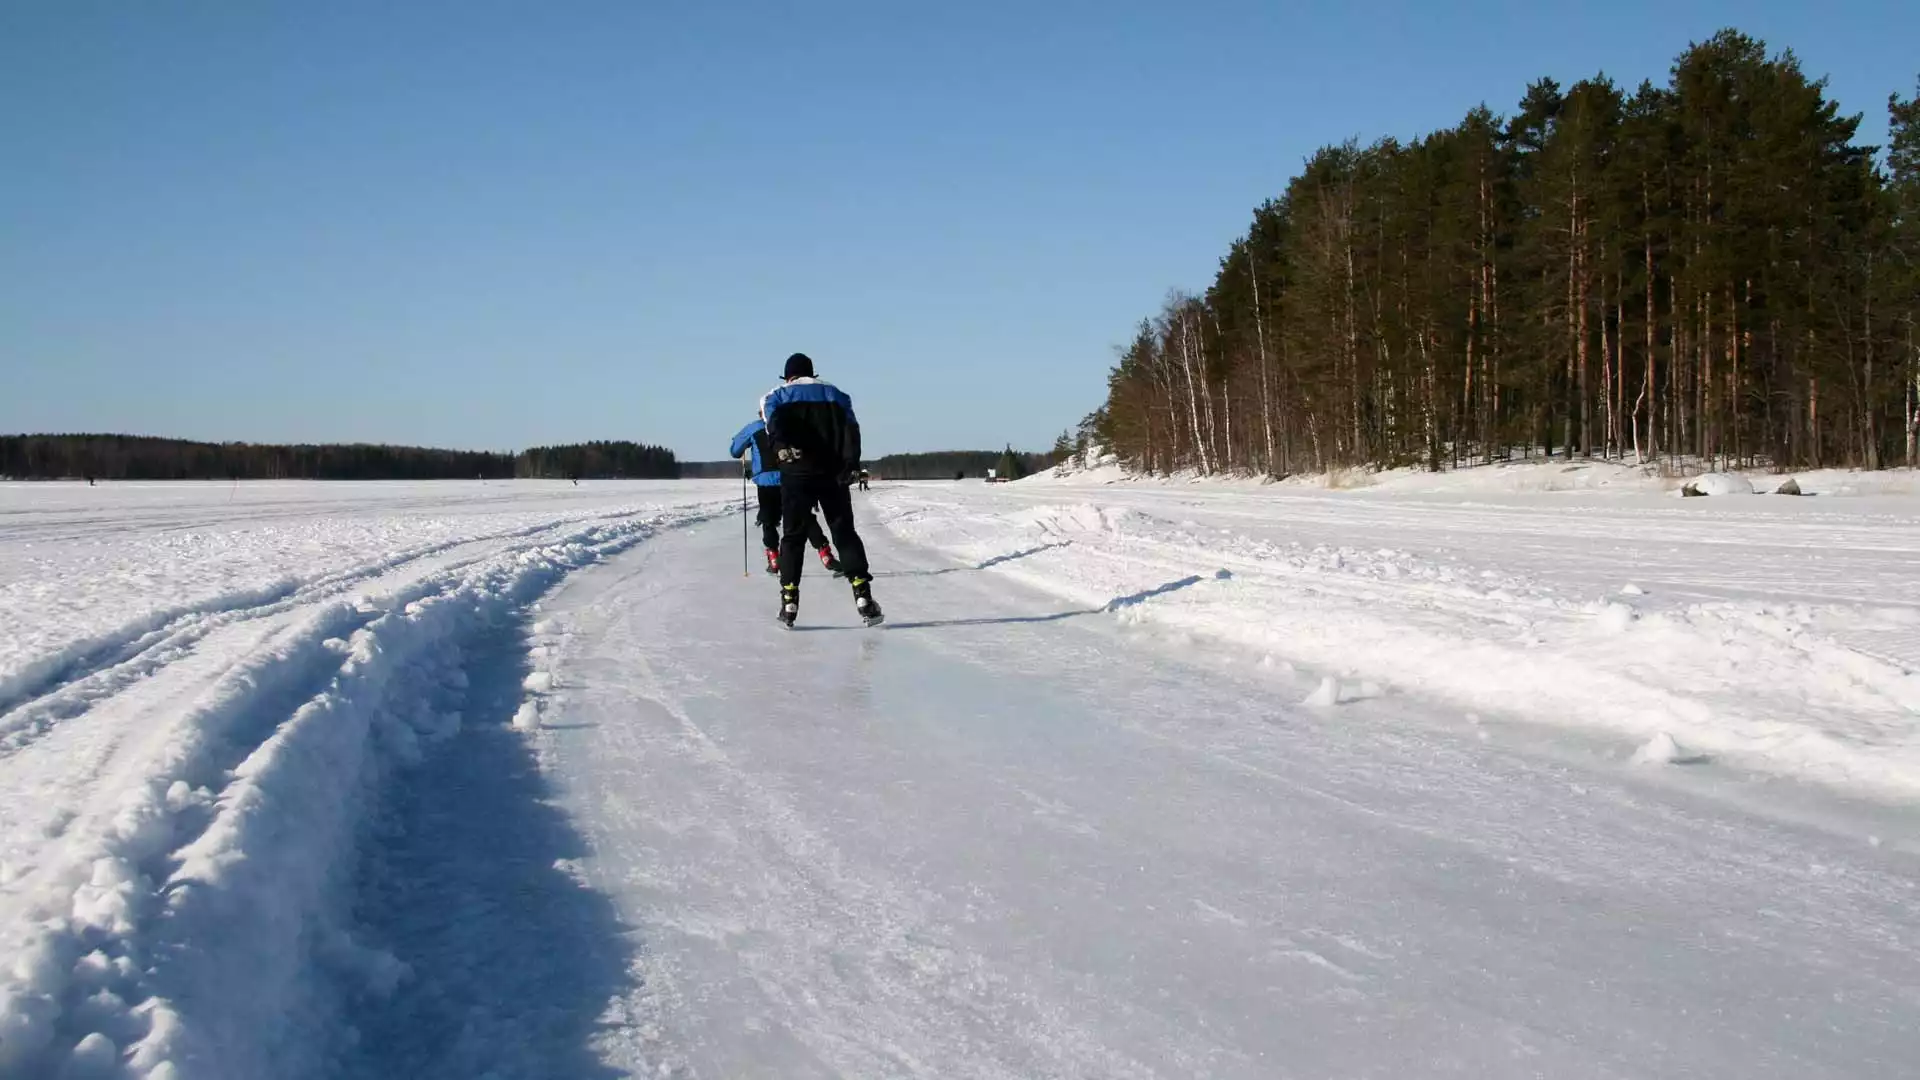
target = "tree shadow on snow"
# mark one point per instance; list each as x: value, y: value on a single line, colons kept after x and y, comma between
x: 995, y: 561
x: 923, y: 624
x: 513, y: 960
x: 1112, y: 605
x: 1144, y: 595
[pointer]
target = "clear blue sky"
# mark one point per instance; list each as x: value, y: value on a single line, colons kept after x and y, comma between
x: 496, y: 224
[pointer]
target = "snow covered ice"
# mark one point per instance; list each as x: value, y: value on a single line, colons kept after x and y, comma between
x: 1556, y: 777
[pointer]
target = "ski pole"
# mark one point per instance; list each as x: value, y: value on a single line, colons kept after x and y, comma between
x: 745, y: 559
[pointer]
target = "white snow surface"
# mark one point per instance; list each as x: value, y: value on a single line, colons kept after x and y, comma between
x: 1782, y: 635
x: 1721, y: 483
x: 204, y: 692
x: 1138, y: 780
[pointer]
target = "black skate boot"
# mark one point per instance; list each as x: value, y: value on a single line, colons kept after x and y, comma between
x: 864, y: 603
x: 789, y: 605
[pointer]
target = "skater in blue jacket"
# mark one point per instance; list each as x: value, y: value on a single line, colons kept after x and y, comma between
x: 752, y: 443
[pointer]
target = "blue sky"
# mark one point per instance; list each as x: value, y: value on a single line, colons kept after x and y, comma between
x: 492, y: 225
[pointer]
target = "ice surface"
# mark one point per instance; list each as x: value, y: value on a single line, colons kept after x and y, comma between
x: 1017, y: 834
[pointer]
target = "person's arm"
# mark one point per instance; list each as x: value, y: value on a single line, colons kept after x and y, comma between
x: 849, y: 436
x: 742, y: 441
x: 770, y: 412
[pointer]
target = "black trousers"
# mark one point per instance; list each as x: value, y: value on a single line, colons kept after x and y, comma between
x: 799, y: 494
x: 769, y: 519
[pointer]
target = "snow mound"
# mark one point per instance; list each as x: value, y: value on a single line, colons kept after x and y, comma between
x: 1663, y: 749
x: 1332, y: 691
x: 191, y: 921
x: 1718, y: 483
x: 1570, y: 611
x: 1615, y: 617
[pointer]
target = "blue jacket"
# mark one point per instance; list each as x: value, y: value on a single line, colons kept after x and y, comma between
x: 753, y: 437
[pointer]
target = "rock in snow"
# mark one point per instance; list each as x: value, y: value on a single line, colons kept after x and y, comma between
x: 1791, y: 487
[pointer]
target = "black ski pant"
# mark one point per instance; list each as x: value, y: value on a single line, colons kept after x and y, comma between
x: 769, y: 520
x: 799, y: 494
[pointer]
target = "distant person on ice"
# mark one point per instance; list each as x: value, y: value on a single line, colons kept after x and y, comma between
x: 816, y: 441
x: 752, y: 442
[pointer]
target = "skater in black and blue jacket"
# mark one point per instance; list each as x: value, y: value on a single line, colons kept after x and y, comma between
x: 815, y: 440
x: 752, y: 442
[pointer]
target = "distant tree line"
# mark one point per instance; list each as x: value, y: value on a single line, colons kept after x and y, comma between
x: 951, y: 464
x: 598, y: 460
x: 1711, y: 268
x: 134, y: 457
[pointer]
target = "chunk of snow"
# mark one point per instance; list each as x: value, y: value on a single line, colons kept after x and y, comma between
x: 95, y: 1058
x: 1663, y: 749
x: 527, y: 717
x: 1719, y: 484
x: 1616, y: 617
x: 26, y: 1027
x: 1332, y: 691
x: 539, y: 682
x: 1630, y: 589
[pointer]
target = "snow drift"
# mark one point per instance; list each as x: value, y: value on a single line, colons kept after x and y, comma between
x: 189, y: 912
x: 1782, y: 638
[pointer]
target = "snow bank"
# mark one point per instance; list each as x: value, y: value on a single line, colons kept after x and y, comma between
x: 92, y: 576
x: 1775, y: 640
x: 1718, y: 483
x: 1663, y: 749
x: 191, y: 918
x: 1506, y: 478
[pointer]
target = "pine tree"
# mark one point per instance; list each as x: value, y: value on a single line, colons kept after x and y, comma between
x: 1707, y: 268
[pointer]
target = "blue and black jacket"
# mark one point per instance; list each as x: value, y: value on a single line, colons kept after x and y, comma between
x: 812, y: 428
x: 753, y: 438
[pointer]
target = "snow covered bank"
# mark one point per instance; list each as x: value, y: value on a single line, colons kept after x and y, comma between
x: 188, y: 797
x: 1520, y: 477
x: 1776, y: 635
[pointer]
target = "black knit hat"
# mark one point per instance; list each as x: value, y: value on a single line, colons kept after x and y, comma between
x: 799, y: 364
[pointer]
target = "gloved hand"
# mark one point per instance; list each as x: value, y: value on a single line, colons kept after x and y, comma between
x: 846, y: 478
